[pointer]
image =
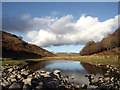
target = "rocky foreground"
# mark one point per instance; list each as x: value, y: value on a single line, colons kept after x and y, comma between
x: 15, y: 77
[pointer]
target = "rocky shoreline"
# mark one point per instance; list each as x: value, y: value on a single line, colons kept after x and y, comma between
x: 16, y: 77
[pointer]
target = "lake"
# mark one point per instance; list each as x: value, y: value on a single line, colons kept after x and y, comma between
x: 75, y: 69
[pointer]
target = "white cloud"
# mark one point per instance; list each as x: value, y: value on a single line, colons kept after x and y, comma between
x: 25, y: 16
x: 63, y: 31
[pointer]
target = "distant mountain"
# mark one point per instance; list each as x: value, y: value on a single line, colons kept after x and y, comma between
x: 109, y: 43
x: 14, y: 47
x: 67, y: 54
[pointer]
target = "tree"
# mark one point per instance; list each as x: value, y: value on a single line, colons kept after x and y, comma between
x: 89, y: 43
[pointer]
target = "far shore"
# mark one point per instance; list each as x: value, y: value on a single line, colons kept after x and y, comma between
x: 91, y: 59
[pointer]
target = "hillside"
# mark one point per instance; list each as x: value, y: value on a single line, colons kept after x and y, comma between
x: 14, y: 47
x: 107, y: 44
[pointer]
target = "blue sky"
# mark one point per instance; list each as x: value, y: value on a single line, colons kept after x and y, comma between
x: 102, y: 10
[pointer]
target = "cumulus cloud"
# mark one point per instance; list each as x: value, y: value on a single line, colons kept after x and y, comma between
x: 24, y: 23
x: 46, y: 31
x: 63, y: 31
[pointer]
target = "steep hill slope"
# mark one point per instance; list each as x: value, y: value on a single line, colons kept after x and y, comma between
x: 108, y: 43
x: 14, y: 47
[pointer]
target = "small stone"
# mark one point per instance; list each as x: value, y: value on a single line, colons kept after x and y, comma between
x: 30, y: 75
x: 27, y: 81
x: 19, y: 76
x: 107, y: 74
x: 118, y: 72
x: 84, y: 86
x: 12, y: 76
x: 8, y: 79
x: 40, y: 83
x: 10, y: 70
x: 56, y: 72
x: 76, y: 86
x: 14, y: 72
x: 115, y: 68
x: 65, y: 80
x: 54, y: 79
x: 106, y: 78
x: 95, y: 80
x: 92, y: 76
x: 48, y: 73
x: 38, y: 87
x: 107, y: 66
x: 4, y: 84
x: 42, y: 71
x: 45, y: 75
x: 112, y: 79
x: 112, y: 69
x: 24, y: 72
x: 108, y: 71
x: 13, y: 80
x: 100, y: 76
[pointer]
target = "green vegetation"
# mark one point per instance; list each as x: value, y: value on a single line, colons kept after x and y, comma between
x: 104, y: 59
x: 14, y: 62
x: 92, y: 59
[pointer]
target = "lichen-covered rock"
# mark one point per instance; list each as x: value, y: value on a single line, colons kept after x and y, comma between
x: 16, y: 85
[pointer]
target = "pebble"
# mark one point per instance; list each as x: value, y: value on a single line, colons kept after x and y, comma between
x: 95, y: 80
x: 84, y: 86
x: 13, y: 80
x: 27, y: 81
x: 106, y: 78
x: 10, y: 70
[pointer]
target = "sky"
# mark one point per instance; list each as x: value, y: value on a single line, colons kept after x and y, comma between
x: 60, y: 26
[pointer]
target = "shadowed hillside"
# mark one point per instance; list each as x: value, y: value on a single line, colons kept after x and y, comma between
x: 110, y: 43
x: 14, y: 47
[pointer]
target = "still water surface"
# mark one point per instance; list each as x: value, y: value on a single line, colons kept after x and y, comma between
x: 75, y: 69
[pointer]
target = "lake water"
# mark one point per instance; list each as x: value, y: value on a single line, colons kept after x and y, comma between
x: 75, y: 69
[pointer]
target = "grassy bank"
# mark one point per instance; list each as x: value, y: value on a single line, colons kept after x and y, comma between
x: 93, y: 59
x: 14, y: 62
x: 106, y: 58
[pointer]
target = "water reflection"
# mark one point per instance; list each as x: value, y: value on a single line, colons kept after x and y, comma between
x: 39, y: 65
x: 64, y: 65
x: 76, y: 70
x: 92, y: 69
